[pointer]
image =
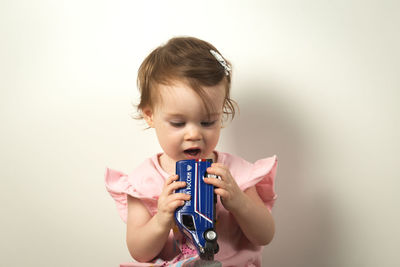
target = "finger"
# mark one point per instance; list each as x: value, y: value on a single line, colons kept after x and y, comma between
x: 174, y: 186
x: 219, y: 166
x: 170, y: 180
x: 172, y: 201
x: 179, y: 196
x: 219, y: 171
x: 215, y: 182
x: 222, y: 193
x: 172, y: 206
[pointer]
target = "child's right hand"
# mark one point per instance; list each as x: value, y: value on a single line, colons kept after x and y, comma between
x: 169, y: 201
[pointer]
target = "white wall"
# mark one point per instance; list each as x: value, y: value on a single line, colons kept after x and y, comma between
x: 317, y: 83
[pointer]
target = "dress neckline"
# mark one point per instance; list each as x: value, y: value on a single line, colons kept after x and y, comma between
x: 156, y: 162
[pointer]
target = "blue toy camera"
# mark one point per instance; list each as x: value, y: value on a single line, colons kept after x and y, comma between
x: 197, y: 217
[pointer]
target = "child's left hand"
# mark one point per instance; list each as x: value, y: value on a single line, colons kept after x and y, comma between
x: 226, y: 187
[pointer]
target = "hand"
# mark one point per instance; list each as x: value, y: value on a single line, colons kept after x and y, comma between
x: 226, y: 187
x: 169, y: 201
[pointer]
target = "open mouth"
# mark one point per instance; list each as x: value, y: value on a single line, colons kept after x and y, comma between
x: 193, y: 152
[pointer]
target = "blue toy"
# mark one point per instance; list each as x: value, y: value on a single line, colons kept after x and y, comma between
x: 197, y: 217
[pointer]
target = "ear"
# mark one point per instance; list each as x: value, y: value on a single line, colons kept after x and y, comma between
x: 148, y: 116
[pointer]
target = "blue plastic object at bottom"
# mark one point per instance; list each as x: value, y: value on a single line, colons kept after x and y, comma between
x: 196, y: 218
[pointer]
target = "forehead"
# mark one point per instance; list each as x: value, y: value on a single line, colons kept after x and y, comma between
x: 181, y: 98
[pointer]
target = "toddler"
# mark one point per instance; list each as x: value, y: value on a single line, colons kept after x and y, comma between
x: 185, y: 97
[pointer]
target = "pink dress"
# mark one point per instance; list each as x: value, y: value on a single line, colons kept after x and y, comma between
x: 146, y: 183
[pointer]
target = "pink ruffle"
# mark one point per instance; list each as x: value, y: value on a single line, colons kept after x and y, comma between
x: 262, y: 175
x: 119, y: 187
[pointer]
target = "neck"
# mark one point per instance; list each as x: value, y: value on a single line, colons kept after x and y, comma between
x: 167, y: 164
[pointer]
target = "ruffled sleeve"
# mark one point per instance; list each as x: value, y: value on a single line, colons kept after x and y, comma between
x: 145, y: 183
x: 118, y: 187
x: 261, y: 174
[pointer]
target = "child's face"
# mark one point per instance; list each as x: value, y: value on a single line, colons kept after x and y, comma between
x: 182, y: 126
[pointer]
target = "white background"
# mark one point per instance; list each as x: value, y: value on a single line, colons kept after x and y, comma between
x: 317, y: 83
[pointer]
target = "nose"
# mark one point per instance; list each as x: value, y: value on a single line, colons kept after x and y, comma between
x: 193, y: 133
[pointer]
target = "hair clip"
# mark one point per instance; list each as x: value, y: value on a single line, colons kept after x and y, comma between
x: 221, y: 61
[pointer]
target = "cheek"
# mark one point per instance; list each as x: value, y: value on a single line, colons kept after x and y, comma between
x: 213, y: 136
x: 167, y: 136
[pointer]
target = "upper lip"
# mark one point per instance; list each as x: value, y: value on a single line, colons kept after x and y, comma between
x: 192, y: 148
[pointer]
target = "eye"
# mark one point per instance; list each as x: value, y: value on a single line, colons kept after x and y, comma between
x: 177, y: 124
x: 208, y: 123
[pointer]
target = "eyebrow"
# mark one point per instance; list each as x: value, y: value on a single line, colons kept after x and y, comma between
x: 174, y: 115
x: 182, y: 115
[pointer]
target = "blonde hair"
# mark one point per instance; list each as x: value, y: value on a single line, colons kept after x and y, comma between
x: 185, y: 59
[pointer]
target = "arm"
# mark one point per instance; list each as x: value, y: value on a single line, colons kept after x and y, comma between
x: 146, y: 236
x: 254, y: 218
x: 252, y: 215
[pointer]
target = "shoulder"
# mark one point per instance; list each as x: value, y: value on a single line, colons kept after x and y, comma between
x: 244, y: 171
x: 238, y: 166
x: 232, y: 160
x: 235, y: 162
x: 145, y: 168
x: 145, y: 181
x: 148, y: 178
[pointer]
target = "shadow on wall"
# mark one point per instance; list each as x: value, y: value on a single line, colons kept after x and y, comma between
x: 304, y: 229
